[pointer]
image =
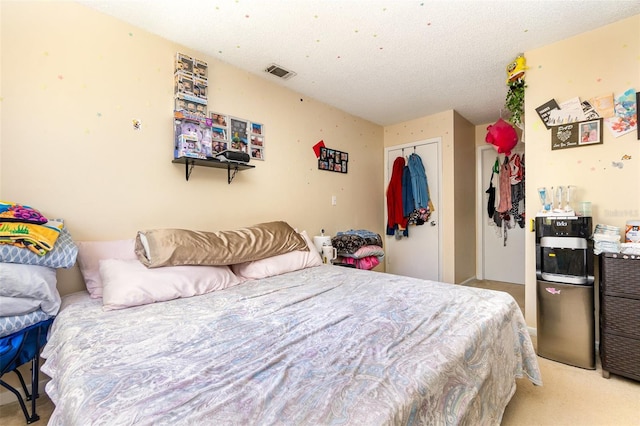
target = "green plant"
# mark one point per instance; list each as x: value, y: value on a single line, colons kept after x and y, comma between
x: 515, y: 101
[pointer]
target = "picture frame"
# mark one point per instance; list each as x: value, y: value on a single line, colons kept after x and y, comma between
x: 219, y: 134
x: 219, y: 120
x: 256, y: 141
x: 590, y: 132
x: 256, y: 128
x: 574, y: 135
x: 257, y: 153
x: 333, y: 160
x: 239, y: 134
x: 257, y: 146
x: 218, y: 146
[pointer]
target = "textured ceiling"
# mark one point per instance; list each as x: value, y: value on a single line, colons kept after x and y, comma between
x: 386, y: 61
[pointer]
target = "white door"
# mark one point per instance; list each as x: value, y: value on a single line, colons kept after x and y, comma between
x: 417, y: 255
x: 501, y: 260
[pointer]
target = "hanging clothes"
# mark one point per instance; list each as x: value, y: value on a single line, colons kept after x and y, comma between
x: 407, y: 192
x: 505, y: 187
x: 418, y: 182
x: 491, y: 202
x: 422, y: 202
x: 395, y: 210
x: 517, y: 212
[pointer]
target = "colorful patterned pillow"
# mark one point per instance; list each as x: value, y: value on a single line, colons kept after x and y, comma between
x: 13, y: 212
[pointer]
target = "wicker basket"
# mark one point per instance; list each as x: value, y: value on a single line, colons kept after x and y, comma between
x: 620, y: 355
x: 621, y: 274
x: 621, y: 316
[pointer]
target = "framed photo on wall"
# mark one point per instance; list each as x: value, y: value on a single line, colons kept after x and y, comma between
x: 219, y: 120
x: 239, y: 136
x: 256, y: 141
x: 590, y: 132
x: 333, y: 160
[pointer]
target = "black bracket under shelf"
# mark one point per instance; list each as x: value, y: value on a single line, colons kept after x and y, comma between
x: 190, y: 163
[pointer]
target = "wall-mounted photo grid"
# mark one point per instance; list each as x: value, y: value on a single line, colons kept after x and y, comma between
x: 237, y: 134
x: 333, y: 161
x: 257, y: 141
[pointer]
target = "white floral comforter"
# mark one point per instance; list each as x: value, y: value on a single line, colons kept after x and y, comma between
x: 321, y: 346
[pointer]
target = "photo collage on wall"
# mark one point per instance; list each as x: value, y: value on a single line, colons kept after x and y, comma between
x: 333, y: 160
x: 237, y: 134
x: 199, y: 134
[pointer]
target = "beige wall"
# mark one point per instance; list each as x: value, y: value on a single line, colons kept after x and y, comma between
x: 464, y: 209
x: 601, y: 61
x: 74, y: 79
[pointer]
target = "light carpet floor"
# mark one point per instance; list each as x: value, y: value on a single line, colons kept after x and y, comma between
x: 569, y: 396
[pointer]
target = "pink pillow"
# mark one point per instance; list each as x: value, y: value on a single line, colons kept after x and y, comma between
x: 280, y: 264
x: 90, y: 253
x: 129, y: 283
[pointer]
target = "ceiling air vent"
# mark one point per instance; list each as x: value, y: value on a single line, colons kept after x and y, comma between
x: 279, y: 72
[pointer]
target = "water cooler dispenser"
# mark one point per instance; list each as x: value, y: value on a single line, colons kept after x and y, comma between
x: 565, y: 290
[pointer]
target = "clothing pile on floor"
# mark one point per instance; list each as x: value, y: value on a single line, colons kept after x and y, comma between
x: 360, y: 248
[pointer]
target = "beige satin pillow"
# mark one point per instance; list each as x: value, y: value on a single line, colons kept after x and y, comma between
x: 173, y: 247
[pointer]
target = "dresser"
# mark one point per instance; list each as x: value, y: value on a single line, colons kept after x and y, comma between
x: 620, y: 315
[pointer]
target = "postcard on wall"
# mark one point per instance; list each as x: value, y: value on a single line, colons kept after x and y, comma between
x: 603, y: 104
x: 570, y: 111
x: 590, y: 112
x: 544, y: 110
x: 626, y: 114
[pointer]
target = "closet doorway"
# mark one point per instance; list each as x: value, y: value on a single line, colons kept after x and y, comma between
x: 417, y: 255
x: 498, y: 259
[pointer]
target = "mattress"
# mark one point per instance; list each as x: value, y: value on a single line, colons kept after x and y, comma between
x: 323, y: 345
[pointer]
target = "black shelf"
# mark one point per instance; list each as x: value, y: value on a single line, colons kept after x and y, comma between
x: 189, y: 163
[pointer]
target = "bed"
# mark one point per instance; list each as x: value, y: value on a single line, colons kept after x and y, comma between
x: 318, y: 345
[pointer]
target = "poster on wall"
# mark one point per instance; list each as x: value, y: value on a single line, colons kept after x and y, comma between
x: 577, y: 134
x: 545, y: 109
x: 638, y: 103
x: 625, y: 119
